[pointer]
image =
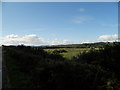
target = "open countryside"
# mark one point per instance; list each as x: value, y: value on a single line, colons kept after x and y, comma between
x: 36, y: 67
x: 60, y: 46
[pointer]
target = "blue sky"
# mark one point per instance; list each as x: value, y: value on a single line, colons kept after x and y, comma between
x: 70, y: 21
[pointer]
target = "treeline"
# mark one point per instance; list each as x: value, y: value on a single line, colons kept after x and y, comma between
x: 30, y: 67
x: 85, y: 45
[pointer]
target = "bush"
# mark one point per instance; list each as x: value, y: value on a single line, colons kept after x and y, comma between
x: 30, y: 67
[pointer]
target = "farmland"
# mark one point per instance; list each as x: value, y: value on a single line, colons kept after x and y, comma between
x: 70, y: 52
x: 54, y: 68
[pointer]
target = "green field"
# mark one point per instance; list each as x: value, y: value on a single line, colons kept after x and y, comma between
x: 71, y: 52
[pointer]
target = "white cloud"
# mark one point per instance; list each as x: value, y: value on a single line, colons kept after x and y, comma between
x: 113, y: 37
x: 27, y: 40
x: 103, y: 38
x: 57, y: 42
x: 31, y: 39
x: 81, y: 9
x: 12, y: 36
x: 82, y: 19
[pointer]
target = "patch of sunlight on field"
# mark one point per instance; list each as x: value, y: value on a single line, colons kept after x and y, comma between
x: 71, y: 52
x: 69, y: 55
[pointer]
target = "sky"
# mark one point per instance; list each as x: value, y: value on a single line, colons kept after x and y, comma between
x: 60, y: 0
x: 51, y: 23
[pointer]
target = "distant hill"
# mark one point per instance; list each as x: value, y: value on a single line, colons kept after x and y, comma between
x: 84, y: 45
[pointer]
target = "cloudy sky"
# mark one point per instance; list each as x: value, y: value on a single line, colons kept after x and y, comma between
x: 38, y: 23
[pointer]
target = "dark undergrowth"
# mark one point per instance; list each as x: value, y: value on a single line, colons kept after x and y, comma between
x: 30, y: 67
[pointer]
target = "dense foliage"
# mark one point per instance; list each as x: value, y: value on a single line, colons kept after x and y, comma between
x: 30, y: 67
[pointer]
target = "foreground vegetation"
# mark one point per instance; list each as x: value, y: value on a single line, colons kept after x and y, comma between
x: 34, y: 67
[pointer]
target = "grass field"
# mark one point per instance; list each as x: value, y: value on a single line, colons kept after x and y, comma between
x: 71, y: 52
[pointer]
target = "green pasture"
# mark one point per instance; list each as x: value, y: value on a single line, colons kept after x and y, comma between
x: 71, y: 52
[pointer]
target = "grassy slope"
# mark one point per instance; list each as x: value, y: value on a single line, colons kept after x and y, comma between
x: 71, y: 52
